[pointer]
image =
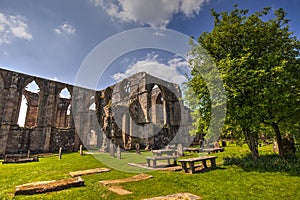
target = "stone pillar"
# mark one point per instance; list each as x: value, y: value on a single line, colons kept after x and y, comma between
x: 104, y: 147
x: 47, y: 133
x: 71, y: 119
x: 80, y: 150
x: 129, y: 146
x: 124, y: 128
x: 153, y: 110
x: 47, y: 113
x: 112, y: 150
x: 165, y: 112
x: 76, y: 110
x: 85, y: 123
x: 9, y: 113
x: 59, y: 153
x: 42, y: 116
x: 50, y: 108
x: 144, y: 105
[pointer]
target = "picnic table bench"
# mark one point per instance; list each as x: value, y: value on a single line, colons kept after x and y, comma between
x: 212, y: 150
x: 190, y: 149
x: 160, y: 152
x: 155, y: 158
x: 191, y: 162
x: 207, y: 150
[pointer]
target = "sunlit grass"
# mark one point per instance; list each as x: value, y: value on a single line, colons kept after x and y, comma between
x: 226, y: 182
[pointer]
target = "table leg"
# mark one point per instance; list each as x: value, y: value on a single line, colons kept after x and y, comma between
x: 183, y: 165
x: 192, y: 167
x: 148, y: 162
x: 154, y: 163
x: 204, y: 163
x: 213, y: 163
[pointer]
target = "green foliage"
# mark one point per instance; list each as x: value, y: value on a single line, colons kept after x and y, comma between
x: 257, y: 61
x: 272, y: 162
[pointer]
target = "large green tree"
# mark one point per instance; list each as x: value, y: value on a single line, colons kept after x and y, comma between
x: 256, y: 56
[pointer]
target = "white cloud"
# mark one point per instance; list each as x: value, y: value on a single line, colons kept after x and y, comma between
x: 65, y: 29
x: 13, y: 27
x: 156, y: 13
x: 168, y: 72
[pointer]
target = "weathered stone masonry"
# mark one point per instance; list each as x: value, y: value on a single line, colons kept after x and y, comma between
x: 41, y: 132
x: 140, y: 109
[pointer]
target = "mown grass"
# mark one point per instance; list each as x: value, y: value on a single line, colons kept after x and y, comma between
x: 226, y: 182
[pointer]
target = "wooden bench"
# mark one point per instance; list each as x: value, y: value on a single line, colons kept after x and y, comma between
x: 191, y: 162
x: 19, y: 158
x: 190, y: 149
x: 155, y: 158
x: 212, y: 150
x: 161, y: 152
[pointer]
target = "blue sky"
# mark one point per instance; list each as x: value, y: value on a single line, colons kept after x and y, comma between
x: 51, y: 39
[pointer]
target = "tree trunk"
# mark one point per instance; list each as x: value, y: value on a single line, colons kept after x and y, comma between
x: 278, y: 138
x: 251, y: 139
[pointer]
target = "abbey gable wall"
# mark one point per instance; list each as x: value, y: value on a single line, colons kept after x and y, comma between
x: 140, y: 109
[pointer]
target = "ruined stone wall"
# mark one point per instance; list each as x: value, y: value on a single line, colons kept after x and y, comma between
x: 143, y: 109
x: 40, y: 123
x: 140, y: 109
x: 20, y: 140
x: 64, y: 138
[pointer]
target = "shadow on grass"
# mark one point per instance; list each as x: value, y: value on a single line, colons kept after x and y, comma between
x: 266, y: 163
x: 199, y: 169
x: 203, y: 170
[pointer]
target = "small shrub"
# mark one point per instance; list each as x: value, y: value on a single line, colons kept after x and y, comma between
x: 272, y: 162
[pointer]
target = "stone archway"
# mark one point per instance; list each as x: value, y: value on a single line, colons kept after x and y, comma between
x: 63, y: 112
x: 29, y: 105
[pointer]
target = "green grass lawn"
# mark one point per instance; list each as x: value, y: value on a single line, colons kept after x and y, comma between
x: 226, y: 182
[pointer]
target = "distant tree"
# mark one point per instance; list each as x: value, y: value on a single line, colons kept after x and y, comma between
x: 257, y: 60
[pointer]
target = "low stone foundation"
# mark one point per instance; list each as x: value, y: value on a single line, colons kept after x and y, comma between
x: 48, y: 186
x: 19, y: 158
x: 179, y: 196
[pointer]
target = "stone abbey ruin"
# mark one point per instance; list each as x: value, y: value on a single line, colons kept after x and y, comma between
x: 140, y: 109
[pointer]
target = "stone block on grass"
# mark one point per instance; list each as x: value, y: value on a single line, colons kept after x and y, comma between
x: 138, y: 177
x: 178, y: 196
x: 48, y: 186
x: 88, y: 171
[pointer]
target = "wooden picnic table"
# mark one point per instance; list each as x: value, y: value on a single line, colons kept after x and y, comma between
x: 191, y: 162
x: 162, y: 154
x: 154, y: 159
